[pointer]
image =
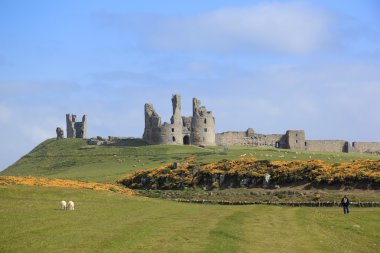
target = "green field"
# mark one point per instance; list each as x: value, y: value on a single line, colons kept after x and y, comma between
x: 31, y: 221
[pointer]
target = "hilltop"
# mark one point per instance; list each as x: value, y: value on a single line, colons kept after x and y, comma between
x: 75, y: 159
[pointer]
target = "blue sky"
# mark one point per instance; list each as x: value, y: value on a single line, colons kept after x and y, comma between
x: 269, y: 65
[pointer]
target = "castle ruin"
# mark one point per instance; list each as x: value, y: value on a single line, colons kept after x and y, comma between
x: 198, y: 129
x: 293, y: 139
x: 76, y: 129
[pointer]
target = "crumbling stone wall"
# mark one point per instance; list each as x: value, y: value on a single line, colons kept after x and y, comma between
x: 59, y: 133
x: 152, y: 125
x: 326, y: 145
x: 198, y: 129
x: 76, y: 129
x: 249, y: 138
x: 366, y: 147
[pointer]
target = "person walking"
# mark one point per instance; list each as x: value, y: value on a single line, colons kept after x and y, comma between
x: 345, y: 203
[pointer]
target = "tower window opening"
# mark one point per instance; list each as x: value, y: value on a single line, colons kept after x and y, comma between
x: 172, y: 129
x: 205, y: 129
x: 173, y: 139
x: 205, y: 121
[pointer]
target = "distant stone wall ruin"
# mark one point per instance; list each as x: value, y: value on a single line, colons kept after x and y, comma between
x: 326, y: 145
x: 249, y: 138
x: 366, y: 147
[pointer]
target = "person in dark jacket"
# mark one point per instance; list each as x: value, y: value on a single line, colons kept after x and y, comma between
x: 345, y: 203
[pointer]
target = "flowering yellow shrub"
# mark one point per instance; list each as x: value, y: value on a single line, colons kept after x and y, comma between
x: 35, y: 181
x: 250, y: 172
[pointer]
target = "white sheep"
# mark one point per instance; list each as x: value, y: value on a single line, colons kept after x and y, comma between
x: 63, y: 205
x: 70, y: 205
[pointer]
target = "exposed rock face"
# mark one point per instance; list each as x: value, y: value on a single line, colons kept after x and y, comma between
x: 266, y: 180
x: 198, y: 129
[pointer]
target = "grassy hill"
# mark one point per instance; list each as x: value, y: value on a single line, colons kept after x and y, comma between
x: 74, y: 159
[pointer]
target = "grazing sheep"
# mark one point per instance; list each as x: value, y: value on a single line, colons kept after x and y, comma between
x: 63, y: 205
x: 70, y: 205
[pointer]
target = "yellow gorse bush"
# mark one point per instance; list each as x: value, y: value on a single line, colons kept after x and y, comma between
x: 64, y: 183
x: 250, y: 170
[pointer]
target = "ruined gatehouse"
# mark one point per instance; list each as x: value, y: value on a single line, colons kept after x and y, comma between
x: 198, y: 129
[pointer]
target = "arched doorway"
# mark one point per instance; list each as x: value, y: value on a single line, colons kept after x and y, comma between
x: 186, y: 140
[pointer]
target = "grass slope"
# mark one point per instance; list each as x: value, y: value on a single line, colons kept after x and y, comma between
x: 30, y: 221
x: 74, y: 159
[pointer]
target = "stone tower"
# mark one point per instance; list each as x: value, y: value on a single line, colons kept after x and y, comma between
x: 295, y: 139
x: 202, y: 125
x: 180, y: 130
x: 176, y: 120
x: 152, y: 124
x: 76, y: 129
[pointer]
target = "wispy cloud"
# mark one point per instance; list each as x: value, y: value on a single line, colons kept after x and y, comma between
x: 293, y: 27
x: 284, y: 27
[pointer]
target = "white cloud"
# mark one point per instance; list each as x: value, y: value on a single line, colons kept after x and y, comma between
x: 294, y: 27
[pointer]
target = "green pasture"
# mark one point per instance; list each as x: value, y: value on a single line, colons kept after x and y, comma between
x: 74, y: 159
x: 30, y: 221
